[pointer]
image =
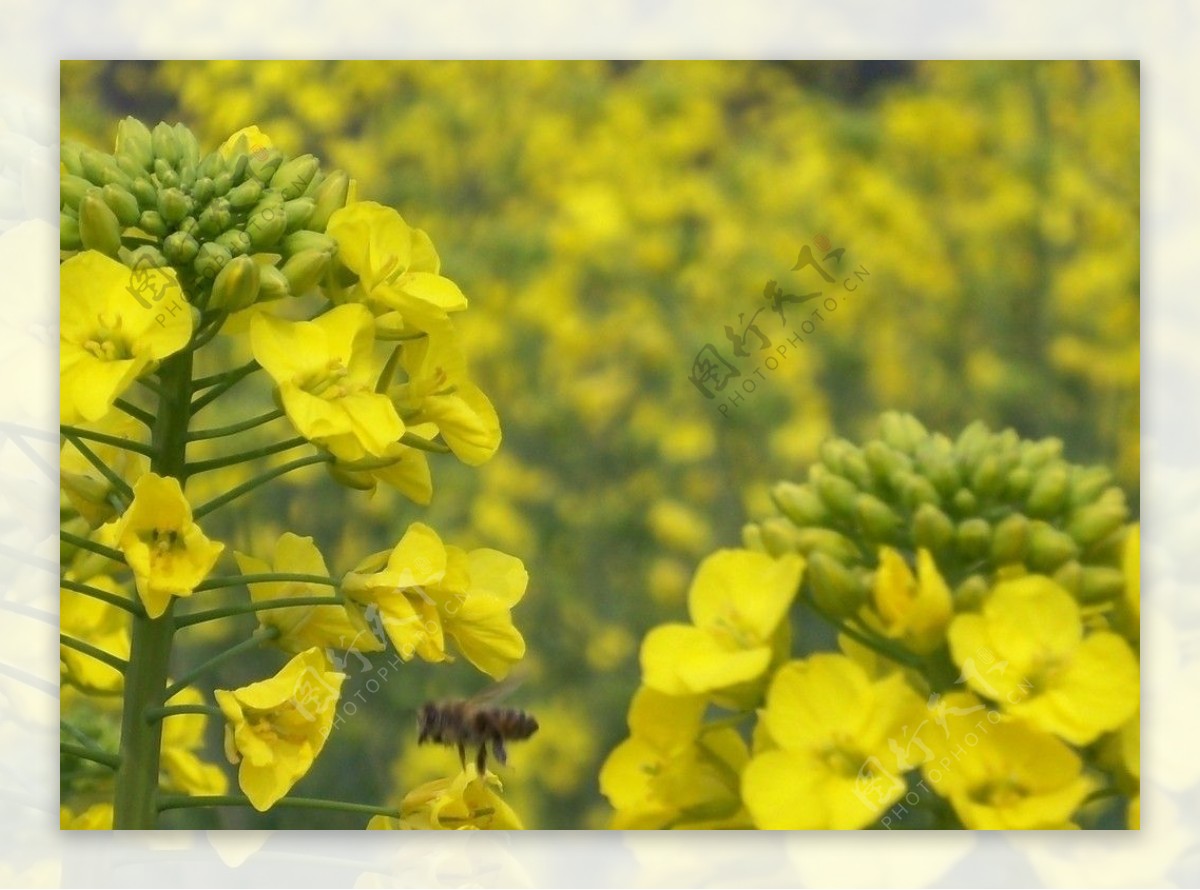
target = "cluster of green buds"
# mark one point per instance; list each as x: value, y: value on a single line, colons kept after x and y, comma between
x: 985, y: 505
x: 239, y: 225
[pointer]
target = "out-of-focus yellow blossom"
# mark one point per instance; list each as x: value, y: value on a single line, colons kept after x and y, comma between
x: 99, y: 624
x: 609, y: 646
x: 465, y: 801
x: 277, y: 727
x: 680, y: 528
x: 166, y: 551
x: 835, y: 765
x: 671, y: 771
x: 1045, y: 669
x: 397, y: 267
x: 403, y: 468
x: 107, y: 338
x: 326, y: 374
x: 426, y: 591
x: 912, y: 610
x: 302, y: 627
x: 998, y: 772
x: 736, y: 601
x: 438, y: 391
x: 182, y: 736
x: 86, y: 487
x: 97, y: 817
x: 1131, y: 563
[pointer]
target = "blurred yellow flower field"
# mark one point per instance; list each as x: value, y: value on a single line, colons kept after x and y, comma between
x: 776, y: 424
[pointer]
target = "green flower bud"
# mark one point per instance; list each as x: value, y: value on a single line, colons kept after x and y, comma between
x: 101, y: 169
x: 1018, y: 483
x: 837, y: 493
x: 266, y: 226
x: 145, y: 257
x: 932, y: 529
x: 1049, y: 492
x: 1038, y: 454
x: 964, y: 502
x: 1069, y: 576
x: 273, y: 284
x: 187, y: 176
x: 189, y: 148
x: 68, y: 232
x: 970, y: 593
x: 916, y: 490
x: 330, y: 196
x: 902, y: 431
x: 99, y: 228
x: 152, y: 223
x: 71, y: 189
x: 129, y: 167
x: 298, y: 211
x: 884, y: 462
x: 70, y: 155
x: 1086, y: 485
x: 169, y: 179
x: 173, y: 205
x: 1049, y: 548
x: 1011, y: 539
x: 145, y: 192
x: 799, y: 503
x: 837, y: 590
x: 988, y: 479
x: 971, y: 444
x: 876, y: 518
x: 303, y: 270
x: 299, y: 242
x: 806, y: 541
x: 245, y: 195
x: 359, y: 481
x: 222, y: 183
x: 189, y: 226
x: 777, y: 536
x: 202, y: 191
x: 122, y: 203
x: 134, y: 142
x: 973, y: 538
x: 832, y: 452
x: 236, y: 241
x: 215, y: 218
x: 165, y: 144
x: 237, y: 167
x: 942, y: 472
x: 293, y: 177
x: 263, y: 165
x: 313, y: 185
x: 236, y: 285
x: 1098, y: 520
x: 1101, y: 583
x: 180, y: 248
x: 855, y: 468
x: 211, y: 259
x: 212, y: 166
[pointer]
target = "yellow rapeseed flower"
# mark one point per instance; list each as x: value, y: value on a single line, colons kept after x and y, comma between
x: 302, y: 627
x: 108, y: 336
x: 913, y: 610
x: 326, y: 373
x: 97, y: 817
x: 166, y: 551
x: 182, y: 737
x: 277, y: 727
x: 465, y: 801
x: 736, y: 601
x: 1041, y: 666
x: 836, y: 732
x: 96, y: 622
x: 88, y: 490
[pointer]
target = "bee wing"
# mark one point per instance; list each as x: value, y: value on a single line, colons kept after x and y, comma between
x: 490, y: 695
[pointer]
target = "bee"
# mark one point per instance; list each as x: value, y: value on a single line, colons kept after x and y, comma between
x: 475, y: 723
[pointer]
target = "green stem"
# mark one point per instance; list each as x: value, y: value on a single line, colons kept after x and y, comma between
x: 105, y: 439
x: 105, y: 470
x: 79, y: 735
x: 90, y: 545
x: 247, y: 608
x: 112, y: 761
x: 151, y: 385
x: 135, y: 804
x: 424, y: 444
x: 235, y: 493
x: 218, y: 432
x: 113, y: 599
x: 223, y: 581
x: 182, y: 801
x: 260, y: 636
x: 885, y: 649
x: 135, y: 412
x: 170, y: 710
x: 220, y: 384
x: 118, y: 664
x: 204, y: 337
x: 389, y: 370
x: 229, y: 460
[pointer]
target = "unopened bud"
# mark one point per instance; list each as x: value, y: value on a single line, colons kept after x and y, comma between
x: 133, y: 141
x: 122, y: 203
x: 273, y: 283
x: 304, y: 270
x: 211, y: 259
x: 877, y: 519
x: 330, y: 196
x: 1097, y: 521
x: 293, y: 177
x: 152, y: 223
x: 236, y: 285
x: 799, y: 503
x: 165, y: 144
x: 1010, y: 539
x: 932, y: 529
x: 180, y: 248
x: 99, y: 228
x: 1049, y: 548
x: 973, y: 537
x: 837, y: 590
x: 173, y: 205
x: 245, y: 195
x: 1049, y: 492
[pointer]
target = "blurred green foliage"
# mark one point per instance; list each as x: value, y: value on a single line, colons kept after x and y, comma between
x: 606, y: 221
